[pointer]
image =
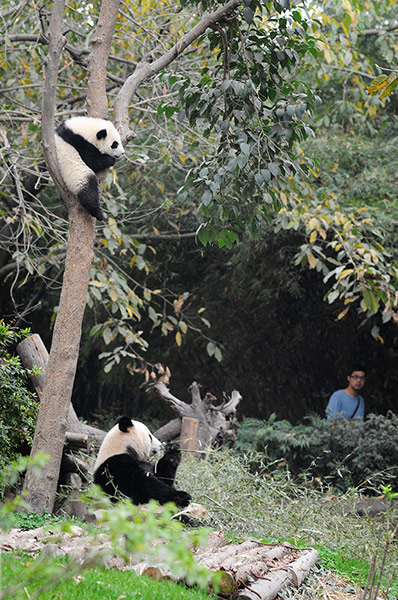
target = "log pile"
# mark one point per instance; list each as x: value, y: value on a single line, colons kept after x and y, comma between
x: 251, y: 570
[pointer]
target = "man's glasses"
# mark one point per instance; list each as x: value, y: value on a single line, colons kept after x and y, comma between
x: 361, y: 377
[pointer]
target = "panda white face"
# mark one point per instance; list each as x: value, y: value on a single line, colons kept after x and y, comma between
x: 128, y: 434
x: 99, y: 132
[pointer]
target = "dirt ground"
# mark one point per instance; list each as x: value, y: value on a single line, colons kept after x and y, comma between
x: 324, y: 585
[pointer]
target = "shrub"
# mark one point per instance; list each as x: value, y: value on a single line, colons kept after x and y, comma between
x: 345, y: 453
x: 18, y: 405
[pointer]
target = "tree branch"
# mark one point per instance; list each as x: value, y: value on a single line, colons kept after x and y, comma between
x: 145, y: 70
x: 50, y: 76
x: 101, y: 44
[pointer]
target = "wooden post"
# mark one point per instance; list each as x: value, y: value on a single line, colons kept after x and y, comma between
x: 33, y: 353
x: 189, y: 429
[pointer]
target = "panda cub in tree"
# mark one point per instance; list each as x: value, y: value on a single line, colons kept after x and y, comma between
x: 86, y: 146
x: 122, y: 465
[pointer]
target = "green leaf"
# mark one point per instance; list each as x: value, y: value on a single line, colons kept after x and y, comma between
x: 377, y: 83
x: 248, y: 15
x: 207, y: 197
x: 370, y: 300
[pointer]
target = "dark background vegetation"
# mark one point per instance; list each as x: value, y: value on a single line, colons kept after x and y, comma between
x: 283, y: 347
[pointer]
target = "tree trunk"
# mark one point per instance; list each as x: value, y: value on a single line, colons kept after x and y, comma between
x: 33, y: 353
x: 61, y: 369
x: 60, y: 373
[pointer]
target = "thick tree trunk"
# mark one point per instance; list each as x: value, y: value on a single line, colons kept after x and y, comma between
x: 60, y: 373
x: 33, y: 353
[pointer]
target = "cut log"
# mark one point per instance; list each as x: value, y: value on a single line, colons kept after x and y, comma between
x: 77, y: 440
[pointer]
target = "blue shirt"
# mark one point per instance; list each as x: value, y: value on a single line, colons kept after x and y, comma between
x: 342, y: 404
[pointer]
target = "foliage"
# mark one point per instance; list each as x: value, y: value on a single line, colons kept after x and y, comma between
x: 29, y: 520
x: 385, y: 84
x: 9, y: 478
x: 344, y: 241
x: 346, y: 453
x: 256, y: 111
x: 18, y: 405
x: 344, y: 245
x: 132, y: 530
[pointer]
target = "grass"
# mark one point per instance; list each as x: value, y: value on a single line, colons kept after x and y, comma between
x: 97, y: 582
x: 272, y: 507
x: 266, y: 505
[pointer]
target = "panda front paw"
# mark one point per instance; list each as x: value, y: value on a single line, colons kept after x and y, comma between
x: 172, y: 449
x: 182, y: 499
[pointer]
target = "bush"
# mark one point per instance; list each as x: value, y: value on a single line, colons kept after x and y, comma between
x: 345, y: 453
x: 18, y: 406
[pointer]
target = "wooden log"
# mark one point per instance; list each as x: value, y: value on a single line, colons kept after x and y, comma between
x: 77, y: 440
x: 189, y: 429
x: 222, y: 583
x: 170, y: 431
x: 33, y: 353
x: 269, y: 588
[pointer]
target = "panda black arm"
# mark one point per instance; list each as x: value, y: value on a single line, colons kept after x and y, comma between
x: 166, y: 467
x: 89, y: 154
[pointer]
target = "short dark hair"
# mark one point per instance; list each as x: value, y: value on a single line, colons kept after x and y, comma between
x: 356, y: 367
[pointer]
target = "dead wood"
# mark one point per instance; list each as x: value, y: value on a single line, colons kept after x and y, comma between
x: 77, y: 440
x: 170, y: 431
x: 216, y: 424
x: 268, y: 587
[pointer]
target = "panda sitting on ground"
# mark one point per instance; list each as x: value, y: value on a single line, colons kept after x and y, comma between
x: 86, y: 146
x: 122, y: 467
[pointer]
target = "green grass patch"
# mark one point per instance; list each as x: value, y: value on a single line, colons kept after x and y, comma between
x: 28, y: 577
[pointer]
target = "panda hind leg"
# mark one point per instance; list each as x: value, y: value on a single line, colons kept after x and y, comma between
x: 88, y: 197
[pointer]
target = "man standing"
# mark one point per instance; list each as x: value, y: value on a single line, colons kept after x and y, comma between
x: 348, y: 403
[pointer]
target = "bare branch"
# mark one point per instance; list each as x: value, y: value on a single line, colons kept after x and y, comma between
x: 145, y: 70
x: 50, y: 76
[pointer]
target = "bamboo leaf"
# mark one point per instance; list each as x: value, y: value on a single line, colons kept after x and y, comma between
x: 377, y: 83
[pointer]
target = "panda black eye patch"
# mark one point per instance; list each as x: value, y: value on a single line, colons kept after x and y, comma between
x: 114, y: 145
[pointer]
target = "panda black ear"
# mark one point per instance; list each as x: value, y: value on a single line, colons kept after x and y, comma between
x: 124, y: 423
x: 101, y: 134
